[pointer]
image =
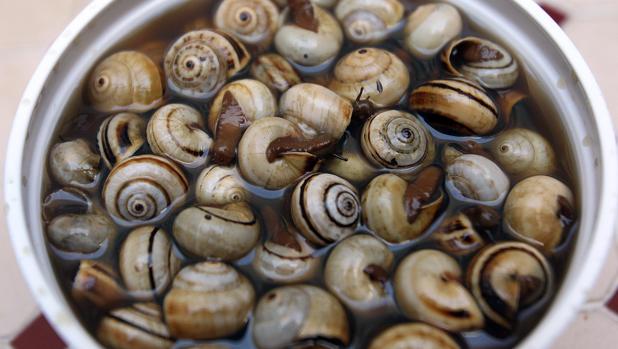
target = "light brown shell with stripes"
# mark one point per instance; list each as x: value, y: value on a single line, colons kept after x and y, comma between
x: 413, y: 335
x: 275, y: 72
x: 459, y: 100
x: 121, y: 136
x: 147, y: 262
x: 98, y: 283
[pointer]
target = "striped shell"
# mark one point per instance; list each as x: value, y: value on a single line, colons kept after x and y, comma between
x: 430, y: 27
x: 397, y: 140
x: 275, y: 72
x: 125, y: 81
x: 121, y: 136
x: 147, y: 262
x: 219, y: 185
x: 254, y: 22
x: 208, y: 300
x: 97, y: 283
x: 458, y: 100
x: 176, y: 131
x: 138, y: 326
x: 477, y: 178
x: 325, y: 208
x: 413, y: 336
x: 369, y: 22
x: 144, y: 188
x: 524, y: 153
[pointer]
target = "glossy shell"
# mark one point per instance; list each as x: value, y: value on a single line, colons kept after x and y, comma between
x: 457, y: 236
x: 352, y: 166
x: 524, y: 153
x: 81, y: 233
x: 430, y: 27
x: 139, y: 326
x: 413, y: 336
x: 219, y: 185
x: 254, y: 22
x: 121, y: 136
x: 275, y: 72
x: 478, y: 178
x: 97, y: 283
x: 74, y: 164
x: 369, y: 22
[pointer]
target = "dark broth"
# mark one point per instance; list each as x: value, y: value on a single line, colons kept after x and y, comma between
x: 80, y: 121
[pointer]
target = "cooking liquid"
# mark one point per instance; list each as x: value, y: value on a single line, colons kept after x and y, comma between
x: 80, y: 121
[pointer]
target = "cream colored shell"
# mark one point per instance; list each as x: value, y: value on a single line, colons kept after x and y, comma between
x: 74, y: 164
x: 478, y: 178
x: 219, y: 185
x: 283, y: 264
x: 138, y: 326
x: 254, y: 22
x: 430, y: 27
x: 81, y: 233
x: 275, y: 72
x: 413, y: 336
x: 97, y: 284
x: 369, y: 22
x: 121, y: 136
x: 524, y: 153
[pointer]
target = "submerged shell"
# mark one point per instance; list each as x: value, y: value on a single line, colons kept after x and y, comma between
x: 369, y: 22
x: 430, y: 27
x: 413, y: 336
x: 121, y: 136
x: 275, y: 72
x: 254, y: 22
x: 478, y: 178
x: 524, y: 153
x: 74, y: 164
x: 81, y: 233
x: 98, y: 284
x: 219, y: 185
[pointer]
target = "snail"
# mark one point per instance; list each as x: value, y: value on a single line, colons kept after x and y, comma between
x: 254, y: 22
x: 208, y: 300
x: 81, y: 233
x: 176, y: 132
x: 322, y: 3
x: 539, y: 210
x: 199, y: 63
x: 299, y: 314
x: 430, y: 27
x: 138, y: 326
x: 397, y: 140
x: 399, y: 211
x: 477, y: 178
x: 316, y: 110
x: 144, y: 188
x: 357, y: 270
x: 413, y: 336
x: 376, y: 73
x: 273, y: 153
x: 285, y: 257
x: 234, y: 109
x: 452, y: 151
x: 312, y: 39
x: 369, y: 22
x: 458, y: 236
x: 275, y: 72
x: 506, y: 277
x: 121, y: 136
x: 226, y: 233
x: 219, y: 185
x: 428, y: 288
x: 524, y: 153
x: 458, y: 101
x: 325, y: 208
x: 351, y: 166
x: 147, y: 262
x: 66, y: 200
x: 125, y: 81
x: 481, y: 60
x: 97, y: 283
x: 74, y: 164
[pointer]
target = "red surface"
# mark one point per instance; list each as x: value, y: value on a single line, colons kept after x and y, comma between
x: 38, y: 335
x: 612, y: 304
x: 554, y: 13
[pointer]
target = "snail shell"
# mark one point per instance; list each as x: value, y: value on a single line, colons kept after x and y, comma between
x: 97, y: 283
x: 121, y: 136
x: 506, y: 277
x: 66, y: 201
x: 309, y: 48
x: 325, y: 208
x: 138, y: 326
x: 369, y: 22
x: 413, y: 336
x: 382, y: 76
x: 430, y: 27
x: 74, y: 164
x: 316, y: 110
x: 254, y: 98
x: 481, y: 60
x: 539, y: 210
x: 293, y: 314
x: 524, y: 153
x: 352, y: 166
x: 478, y: 178
x: 397, y: 140
x: 357, y: 270
x: 321, y: 3
x: 254, y: 22
x: 81, y: 233
x: 219, y: 185
x: 143, y: 188
x: 147, y: 262
x: 199, y: 63
x: 428, y: 288
x: 208, y: 300
x: 176, y: 132
x: 252, y: 159
x: 458, y: 100
x: 275, y: 72
x: 225, y: 233
x: 125, y: 81
x: 457, y: 236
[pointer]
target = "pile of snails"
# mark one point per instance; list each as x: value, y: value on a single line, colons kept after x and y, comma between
x: 283, y: 172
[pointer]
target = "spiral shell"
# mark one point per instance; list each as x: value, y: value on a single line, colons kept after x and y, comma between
x: 369, y: 22
x: 275, y: 72
x: 144, y: 188
x: 147, y: 262
x: 226, y: 233
x: 176, y: 132
x: 506, y: 277
x: 125, y: 81
x: 74, y: 164
x: 430, y: 27
x: 325, y: 208
x: 97, y: 283
x: 478, y: 178
x: 208, y: 300
x: 137, y: 326
x: 413, y: 336
x: 219, y: 185
x: 397, y: 140
x: 254, y: 22
x: 481, y: 60
x: 81, y: 233
x: 121, y: 136
x: 199, y: 63
x: 524, y: 153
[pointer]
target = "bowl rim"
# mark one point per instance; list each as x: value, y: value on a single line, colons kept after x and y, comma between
x: 69, y: 327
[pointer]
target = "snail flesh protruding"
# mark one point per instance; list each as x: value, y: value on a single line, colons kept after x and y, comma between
x: 254, y: 22
x: 121, y: 136
x: 524, y: 153
x: 369, y: 22
x: 478, y: 179
x: 413, y: 336
x: 219, y: 185
x: 275, y: 72
x: 430, y: 27
x: 74, y: 164
x: 138, y: 326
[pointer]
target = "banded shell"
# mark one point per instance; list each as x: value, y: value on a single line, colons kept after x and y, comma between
x: 74, y: 164
x: 478, y: 178
x: 275, y: 72
x: 457, y: 235
x: 81, y: 233
x: 121, y: 136
x: 413, y: 336
x: 524, y: 153
x: 138, y: 326
x: 254, y: 22
x: 97, y: 283
x: 219, y: 185
x: 369, y: 22
x: 430, y: 27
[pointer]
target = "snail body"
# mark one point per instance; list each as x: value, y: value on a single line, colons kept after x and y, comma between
x: 121, y: 136
x: 430, y: 27
x: 368, y: 22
